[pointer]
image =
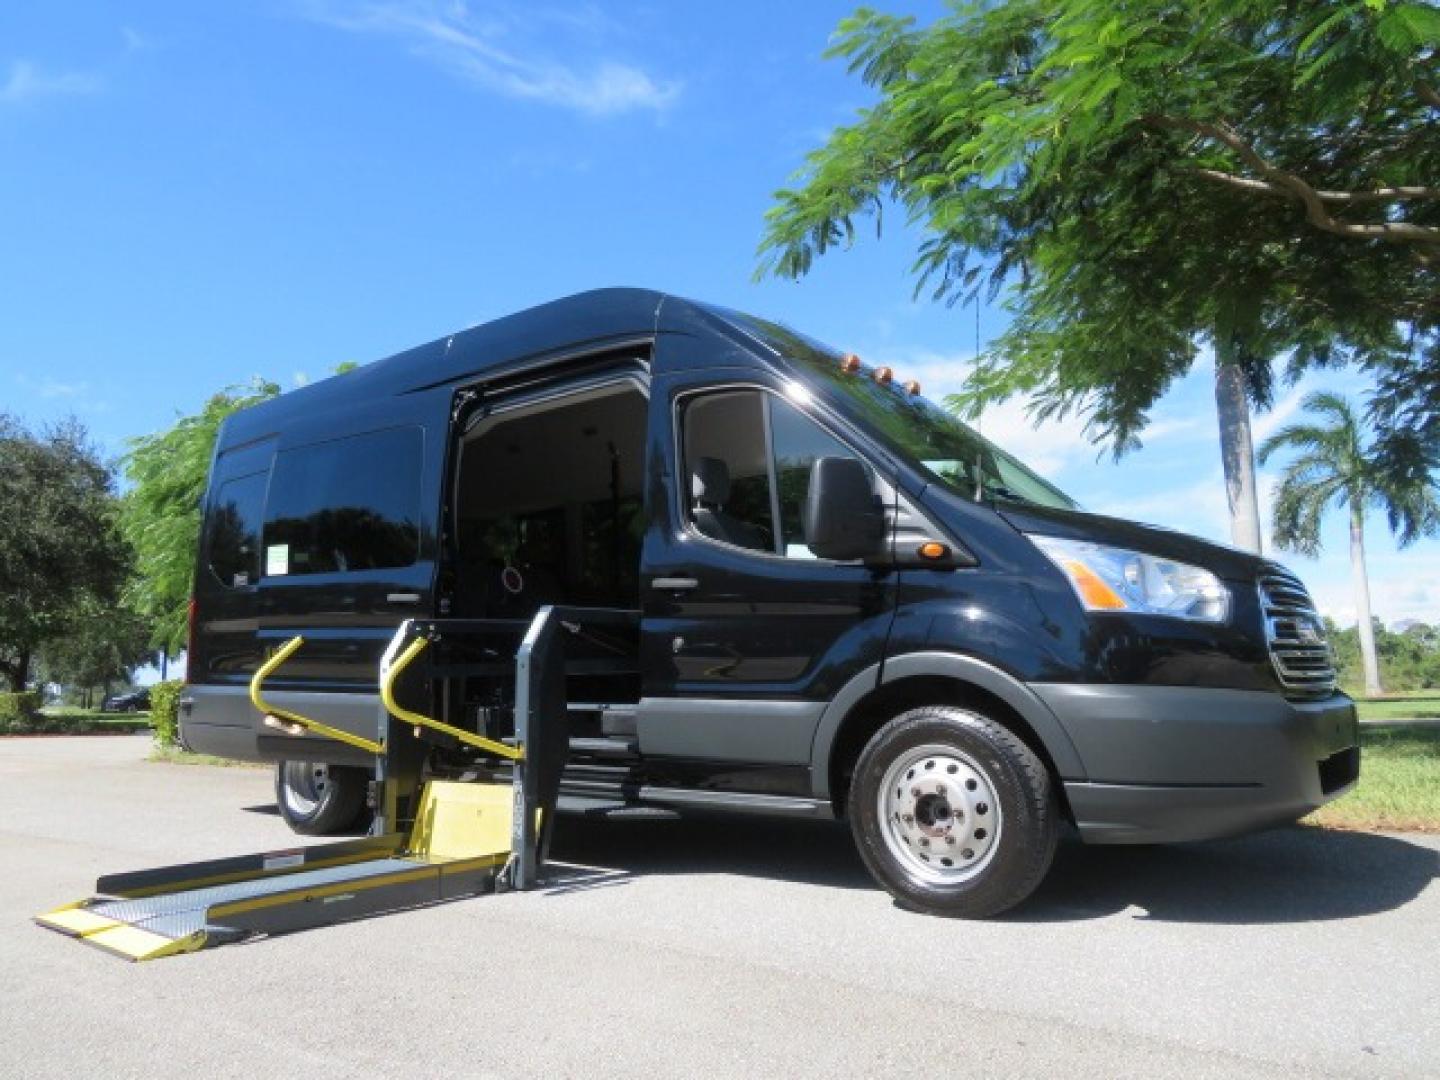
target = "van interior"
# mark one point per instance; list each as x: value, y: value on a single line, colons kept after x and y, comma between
x: 549, y: 510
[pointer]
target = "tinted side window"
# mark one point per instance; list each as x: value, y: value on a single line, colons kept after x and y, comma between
x: 798, y: 441
x: 727, y: 469
x: 234, y: 530
x: 346, y: 505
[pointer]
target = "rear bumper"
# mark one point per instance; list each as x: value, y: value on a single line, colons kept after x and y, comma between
x: 1177, y: 763
x: 220, y: 720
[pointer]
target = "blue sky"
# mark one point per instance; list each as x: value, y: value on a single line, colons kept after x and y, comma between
x: 193, y: 194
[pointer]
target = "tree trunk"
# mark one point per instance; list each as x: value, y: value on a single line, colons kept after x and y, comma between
x: 18, y: 673
x: 164, y: 664
x: 1368, y: 658
x: 1237, y: 453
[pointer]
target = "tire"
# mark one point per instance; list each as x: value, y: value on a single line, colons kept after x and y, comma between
x: 317, y: 799
x: 952, y: 813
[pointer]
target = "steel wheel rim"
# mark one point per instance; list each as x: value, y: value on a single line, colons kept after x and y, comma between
x: 939, y: 814
x: 306, y: 784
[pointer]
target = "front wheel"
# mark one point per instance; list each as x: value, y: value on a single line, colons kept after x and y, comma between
x: 316, y: 799
x: 952, y: 813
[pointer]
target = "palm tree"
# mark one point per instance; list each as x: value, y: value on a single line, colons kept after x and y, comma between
x: 1334, y: 467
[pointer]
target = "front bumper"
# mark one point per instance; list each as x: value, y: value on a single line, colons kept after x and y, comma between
x: 1170, y: 763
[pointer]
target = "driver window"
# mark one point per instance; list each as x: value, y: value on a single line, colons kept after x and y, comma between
x: 729, y: 497
x: 748, y: 456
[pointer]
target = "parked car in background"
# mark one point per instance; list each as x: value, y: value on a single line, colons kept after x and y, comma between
x: 132, y: 701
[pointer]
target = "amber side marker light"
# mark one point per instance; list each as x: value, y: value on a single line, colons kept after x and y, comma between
x: 1093, y: 591
x: 932, y: 550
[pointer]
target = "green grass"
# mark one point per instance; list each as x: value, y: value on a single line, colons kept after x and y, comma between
x: 173, y: 755
x: 1422, y: 704
x: 67, y: 720
x: 1399, y: 784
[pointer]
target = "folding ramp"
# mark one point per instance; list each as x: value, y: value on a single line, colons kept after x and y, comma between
x: 464, y: 837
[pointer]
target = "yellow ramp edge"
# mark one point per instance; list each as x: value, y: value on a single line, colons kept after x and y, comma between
x: 75, y: 921
x: 134, y: 943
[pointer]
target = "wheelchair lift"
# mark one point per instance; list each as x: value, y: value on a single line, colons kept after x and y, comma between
x: 433, y: 839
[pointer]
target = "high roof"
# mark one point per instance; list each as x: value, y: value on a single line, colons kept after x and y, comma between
x: 584, y: 320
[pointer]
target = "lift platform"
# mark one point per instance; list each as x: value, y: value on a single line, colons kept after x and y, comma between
x: 433, y: 840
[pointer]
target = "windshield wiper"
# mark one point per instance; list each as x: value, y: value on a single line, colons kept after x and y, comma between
x: 999, y: 490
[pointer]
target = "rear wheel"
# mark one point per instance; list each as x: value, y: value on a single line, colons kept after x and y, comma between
x: 316, y: 799
x: 952, y: 813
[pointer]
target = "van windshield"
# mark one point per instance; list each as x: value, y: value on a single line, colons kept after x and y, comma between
x: 952, y: 452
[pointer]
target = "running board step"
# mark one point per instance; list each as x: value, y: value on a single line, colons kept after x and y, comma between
x: 606, y: 747
x: 654, y: 795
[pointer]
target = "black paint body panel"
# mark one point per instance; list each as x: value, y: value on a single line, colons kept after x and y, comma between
x: 748, y: 679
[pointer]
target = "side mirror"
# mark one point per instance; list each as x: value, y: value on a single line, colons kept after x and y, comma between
x: 843, y: 518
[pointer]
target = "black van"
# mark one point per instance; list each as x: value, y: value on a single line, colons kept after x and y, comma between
x: 850, y: 604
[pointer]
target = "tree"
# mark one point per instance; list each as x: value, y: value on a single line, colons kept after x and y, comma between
x: 160, y: 516
x: 1334, y: 467
x: 99, y: 646
x: 1144, y: 178
x: 60, y: 552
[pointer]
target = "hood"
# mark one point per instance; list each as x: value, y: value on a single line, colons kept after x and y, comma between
x: 1227, y: 562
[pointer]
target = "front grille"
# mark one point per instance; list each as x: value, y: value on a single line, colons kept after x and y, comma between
x: 1296, y: 635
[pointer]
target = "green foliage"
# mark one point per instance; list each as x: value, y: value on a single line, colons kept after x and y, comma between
x: 165, y: 711
x: 1409, y: 658
x: 19, y: 712
x: 60, y: 552
x: 161, y: 512
x: 1332, y: 467
x: 1142, y: 177
x: 101, y: 646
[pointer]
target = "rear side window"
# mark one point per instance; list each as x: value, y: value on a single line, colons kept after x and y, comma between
x: 234, y: 532
x: 346, y: 505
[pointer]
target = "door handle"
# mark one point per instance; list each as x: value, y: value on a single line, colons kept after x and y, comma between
x: 402, y: 597
x: 675, y: 584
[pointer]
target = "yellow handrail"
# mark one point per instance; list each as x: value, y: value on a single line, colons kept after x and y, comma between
x: 387, y: 695
x: 257, y: 699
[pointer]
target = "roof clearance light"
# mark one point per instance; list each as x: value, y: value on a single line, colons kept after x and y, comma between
x: 883, y: 375
x: 850, y: 363
x: 913, y: 387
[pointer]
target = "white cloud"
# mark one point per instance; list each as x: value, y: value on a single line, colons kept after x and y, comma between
x: 135, y: 41
x: 465, y: 44
x: 1403, y: 585
x: 51, y: 389
x: 26, y: 82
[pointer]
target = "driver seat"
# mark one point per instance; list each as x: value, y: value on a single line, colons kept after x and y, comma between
x: 710, y: 490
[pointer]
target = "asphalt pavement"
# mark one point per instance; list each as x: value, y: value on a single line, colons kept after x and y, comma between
x: 717, y: 947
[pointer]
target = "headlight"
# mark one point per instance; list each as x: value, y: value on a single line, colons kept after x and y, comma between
x: 1114, y: 579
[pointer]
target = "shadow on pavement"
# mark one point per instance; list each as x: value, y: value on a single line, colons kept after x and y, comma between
x: 1290, y: 875
x: 1284, y: 876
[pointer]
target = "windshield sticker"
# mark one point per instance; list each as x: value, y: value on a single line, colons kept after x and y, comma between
x: 277, y: 560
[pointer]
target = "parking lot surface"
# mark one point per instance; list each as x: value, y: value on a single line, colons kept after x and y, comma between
x: 717, y: 947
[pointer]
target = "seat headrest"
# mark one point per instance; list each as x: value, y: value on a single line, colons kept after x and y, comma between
x: 710, y: 481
